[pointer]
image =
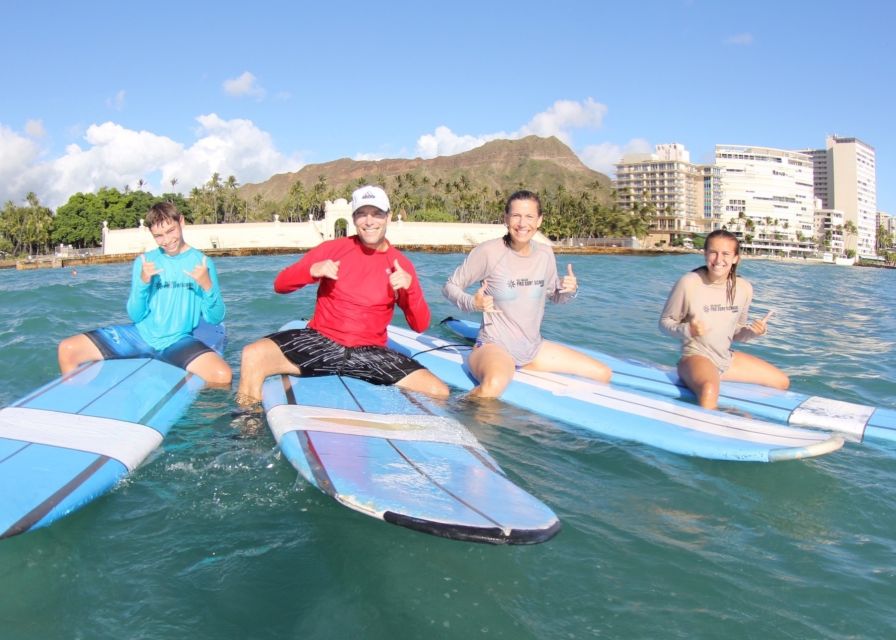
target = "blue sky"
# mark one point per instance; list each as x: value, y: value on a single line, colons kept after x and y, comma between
x: 106, y: 93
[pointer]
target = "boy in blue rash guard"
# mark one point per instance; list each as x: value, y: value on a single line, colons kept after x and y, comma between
x: 172, y: 287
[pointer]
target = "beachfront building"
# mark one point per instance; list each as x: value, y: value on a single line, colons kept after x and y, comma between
x: 299, y: 236
x: 768, y: 198
x: 829, y: 235
x: 888, y: 223
x: 684, y: 197
x: 846, y: 180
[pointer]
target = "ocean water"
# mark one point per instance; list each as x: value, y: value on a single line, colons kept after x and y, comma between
x: 217, y: 537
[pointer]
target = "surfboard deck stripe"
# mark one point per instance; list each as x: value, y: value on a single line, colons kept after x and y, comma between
x: 126, y: 442
x: 650, y: 419
x: 38, y: 513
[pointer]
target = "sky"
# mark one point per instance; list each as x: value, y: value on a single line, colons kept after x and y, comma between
x: 97, y: 94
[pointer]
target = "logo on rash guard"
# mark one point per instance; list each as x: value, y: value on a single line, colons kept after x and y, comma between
x: 721, y: 308
x: 524, y: 282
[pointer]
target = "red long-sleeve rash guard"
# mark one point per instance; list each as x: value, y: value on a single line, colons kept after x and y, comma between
x: 355, y: 309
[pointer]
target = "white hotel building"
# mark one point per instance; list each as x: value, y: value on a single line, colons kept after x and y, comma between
x: 685, y: 196
x: 768, y: 196
x: 846, y: 180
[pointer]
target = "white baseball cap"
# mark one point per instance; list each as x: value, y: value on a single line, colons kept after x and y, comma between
x: 370, y: 195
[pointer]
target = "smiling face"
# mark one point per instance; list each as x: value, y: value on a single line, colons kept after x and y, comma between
x: 721, y: 255
x: 522, y: 220
x: 371, y: 223
x: 169, y: 235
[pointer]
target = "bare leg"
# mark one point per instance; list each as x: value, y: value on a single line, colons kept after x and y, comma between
x: 260, y: 359
x: 561, y: 359
x: 211, y: 368
x: 424, y: 381
x: 702, y: 377
x: 493, y: 367
x: 749, y: 368
x: 76, y: 350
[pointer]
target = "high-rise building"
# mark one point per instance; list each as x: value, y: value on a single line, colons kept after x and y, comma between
x: 768, y: 196
x: 685, y: 196
x: 845, y: 180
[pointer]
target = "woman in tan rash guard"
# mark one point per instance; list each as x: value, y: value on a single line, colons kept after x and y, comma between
x: 515, y: 277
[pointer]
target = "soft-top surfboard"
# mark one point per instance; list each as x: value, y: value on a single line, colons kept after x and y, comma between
x: 854, y: 421
x: 397, y: 456
x: 604, y: 409
x: 75, y: 438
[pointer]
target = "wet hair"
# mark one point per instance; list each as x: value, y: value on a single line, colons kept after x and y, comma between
x: 732, y: 275
x: 522, y: 194
x: 162, y: 212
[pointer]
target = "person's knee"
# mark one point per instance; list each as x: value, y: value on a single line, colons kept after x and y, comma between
x: 70, y: 353
x: 436, y: 388
x: 220, y: 375
x: 492, y: 386
x: 252, y: 355
x: 782, y: 382
x: 602, y: 373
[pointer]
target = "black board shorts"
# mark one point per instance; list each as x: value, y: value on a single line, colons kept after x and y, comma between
x: 316, y: 355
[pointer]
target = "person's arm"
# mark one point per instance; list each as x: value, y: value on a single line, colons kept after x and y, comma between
x: 564, y: 288
x: 298, y: 274
x: 474, y: 268
x: 213, y: 309
x: 138, y: 300
x: 673, y: 319
x: 744, y: 330
x: 411, y: 300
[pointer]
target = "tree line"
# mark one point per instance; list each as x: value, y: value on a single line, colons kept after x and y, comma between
x: 32, y: 228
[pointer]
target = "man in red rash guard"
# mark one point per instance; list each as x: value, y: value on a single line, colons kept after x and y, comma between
x: 360, y: 280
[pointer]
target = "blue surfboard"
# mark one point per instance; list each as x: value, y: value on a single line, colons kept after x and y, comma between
x: 75, y: 438
x: 854, y: 421
x: 398, y: 457
x: 608, y: 410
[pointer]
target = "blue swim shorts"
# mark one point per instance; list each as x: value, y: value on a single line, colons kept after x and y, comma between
x: 124, y: 341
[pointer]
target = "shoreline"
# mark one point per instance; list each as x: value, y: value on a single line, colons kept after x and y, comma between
x: 61, y: 262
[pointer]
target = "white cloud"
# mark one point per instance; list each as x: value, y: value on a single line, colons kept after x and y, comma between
x: 114, y: 156
x: 603, y: 157
x: 565, y: 115
x: 117, y: 101
x: 244, y: 85
x: 742, y: 39
x: 16, y: 152
x: 559, y: 120
x: 444, y: 142
x: 35, y: 128
x: 229, y: 147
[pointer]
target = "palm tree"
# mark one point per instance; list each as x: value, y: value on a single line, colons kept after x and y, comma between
x: 174, y: 182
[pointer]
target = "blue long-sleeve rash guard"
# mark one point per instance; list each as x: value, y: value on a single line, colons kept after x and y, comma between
x: 170, y: 305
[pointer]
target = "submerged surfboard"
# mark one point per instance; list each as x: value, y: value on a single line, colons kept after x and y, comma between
x: 75, y: 438
x: 608, y: 410
x: 396, y: 456
x: 854, y: 421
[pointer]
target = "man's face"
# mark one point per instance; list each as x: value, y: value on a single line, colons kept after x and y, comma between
x: 169, y: 235
x: 371, y: 223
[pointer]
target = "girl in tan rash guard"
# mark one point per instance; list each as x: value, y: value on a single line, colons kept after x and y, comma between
x: 708, y: 310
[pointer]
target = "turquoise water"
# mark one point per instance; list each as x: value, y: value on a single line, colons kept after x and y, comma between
x: 215, y: 537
